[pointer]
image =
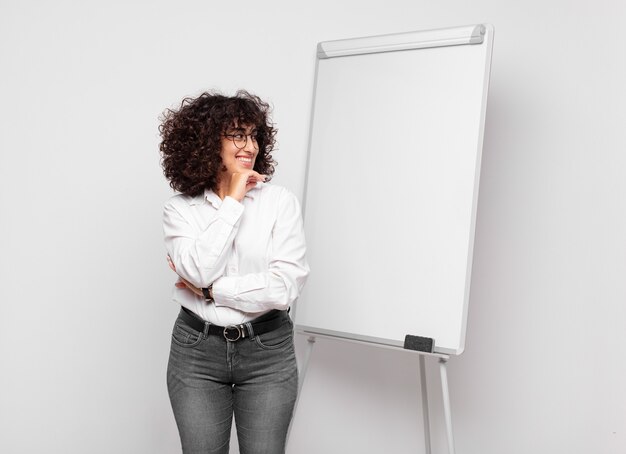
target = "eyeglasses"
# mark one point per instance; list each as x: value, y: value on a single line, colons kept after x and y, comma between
x: 241, y: 140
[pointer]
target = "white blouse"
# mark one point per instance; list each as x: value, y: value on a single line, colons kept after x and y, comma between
x: 253, y: 252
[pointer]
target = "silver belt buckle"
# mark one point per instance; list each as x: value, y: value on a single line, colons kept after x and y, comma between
x: 230, y: 339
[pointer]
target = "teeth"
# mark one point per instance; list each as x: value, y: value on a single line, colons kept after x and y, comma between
x: 244, y: 159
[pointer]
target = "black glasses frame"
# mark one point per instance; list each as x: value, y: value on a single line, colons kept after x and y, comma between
x: 253, y: 137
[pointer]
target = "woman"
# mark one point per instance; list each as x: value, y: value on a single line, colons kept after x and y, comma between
x: 237, y: 245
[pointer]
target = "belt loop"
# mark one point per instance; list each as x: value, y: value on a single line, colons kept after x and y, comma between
x: 250, y: 330
x: 206, y: 329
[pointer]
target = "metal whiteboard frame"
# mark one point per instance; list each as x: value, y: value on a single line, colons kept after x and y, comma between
x: 470, y: 34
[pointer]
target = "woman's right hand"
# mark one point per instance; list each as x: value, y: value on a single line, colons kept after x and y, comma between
x: 242, y: 182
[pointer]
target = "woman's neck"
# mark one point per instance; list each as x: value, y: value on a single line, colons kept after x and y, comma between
x: 221, y: 188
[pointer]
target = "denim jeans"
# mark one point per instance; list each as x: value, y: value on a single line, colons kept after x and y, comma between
x: 210, y: 379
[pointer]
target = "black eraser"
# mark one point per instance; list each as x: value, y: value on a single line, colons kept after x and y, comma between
x: 419, y: 343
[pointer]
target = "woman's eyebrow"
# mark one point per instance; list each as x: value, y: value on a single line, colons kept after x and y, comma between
x: 253, y: 130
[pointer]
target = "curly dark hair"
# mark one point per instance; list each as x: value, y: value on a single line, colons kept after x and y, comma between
x: 191, y: 138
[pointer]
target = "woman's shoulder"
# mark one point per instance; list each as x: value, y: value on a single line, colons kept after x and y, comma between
x: 279, y: 199
x: 274, y: 192
x: 183, y: 200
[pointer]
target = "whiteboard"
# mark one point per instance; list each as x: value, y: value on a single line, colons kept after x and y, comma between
x: 392, y: 186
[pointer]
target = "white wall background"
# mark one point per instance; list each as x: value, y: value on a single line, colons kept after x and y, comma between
x: 84, y: 309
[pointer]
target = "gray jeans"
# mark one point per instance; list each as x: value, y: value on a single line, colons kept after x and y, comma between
x: 210, y: 379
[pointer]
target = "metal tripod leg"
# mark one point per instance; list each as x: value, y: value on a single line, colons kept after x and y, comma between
x: 302, y: 375
x: 443, y: 362
x: 425, y: 411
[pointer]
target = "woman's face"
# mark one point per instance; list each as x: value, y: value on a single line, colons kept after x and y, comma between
x: 239, y: 149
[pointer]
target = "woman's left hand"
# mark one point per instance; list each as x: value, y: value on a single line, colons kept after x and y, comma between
x: 182, y: 282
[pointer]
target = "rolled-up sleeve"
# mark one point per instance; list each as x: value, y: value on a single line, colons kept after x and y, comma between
x: 281, y: 284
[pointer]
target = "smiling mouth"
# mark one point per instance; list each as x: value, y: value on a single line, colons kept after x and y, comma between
x: 244, y: 160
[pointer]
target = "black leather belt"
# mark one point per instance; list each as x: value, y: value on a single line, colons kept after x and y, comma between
x: 263, y: 324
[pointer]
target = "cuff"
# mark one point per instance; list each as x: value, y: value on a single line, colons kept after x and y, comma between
x: 223, y: 290
x: 239, y: 291
x: 230, y: 210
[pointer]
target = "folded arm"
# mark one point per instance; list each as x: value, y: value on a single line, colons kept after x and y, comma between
x: 201, y: 257
x: 282, y: 283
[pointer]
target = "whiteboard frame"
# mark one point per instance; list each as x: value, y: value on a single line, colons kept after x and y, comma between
x: 454, y: 36
x: 469, y: 34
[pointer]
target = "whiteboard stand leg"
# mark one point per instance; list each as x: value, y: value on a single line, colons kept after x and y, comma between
x: 425, y: 411
x: 443, y: 362
x: 305, y: 363
x: 302, y: 374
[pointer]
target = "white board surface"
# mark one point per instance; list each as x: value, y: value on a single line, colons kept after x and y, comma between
x: 391, y: 193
